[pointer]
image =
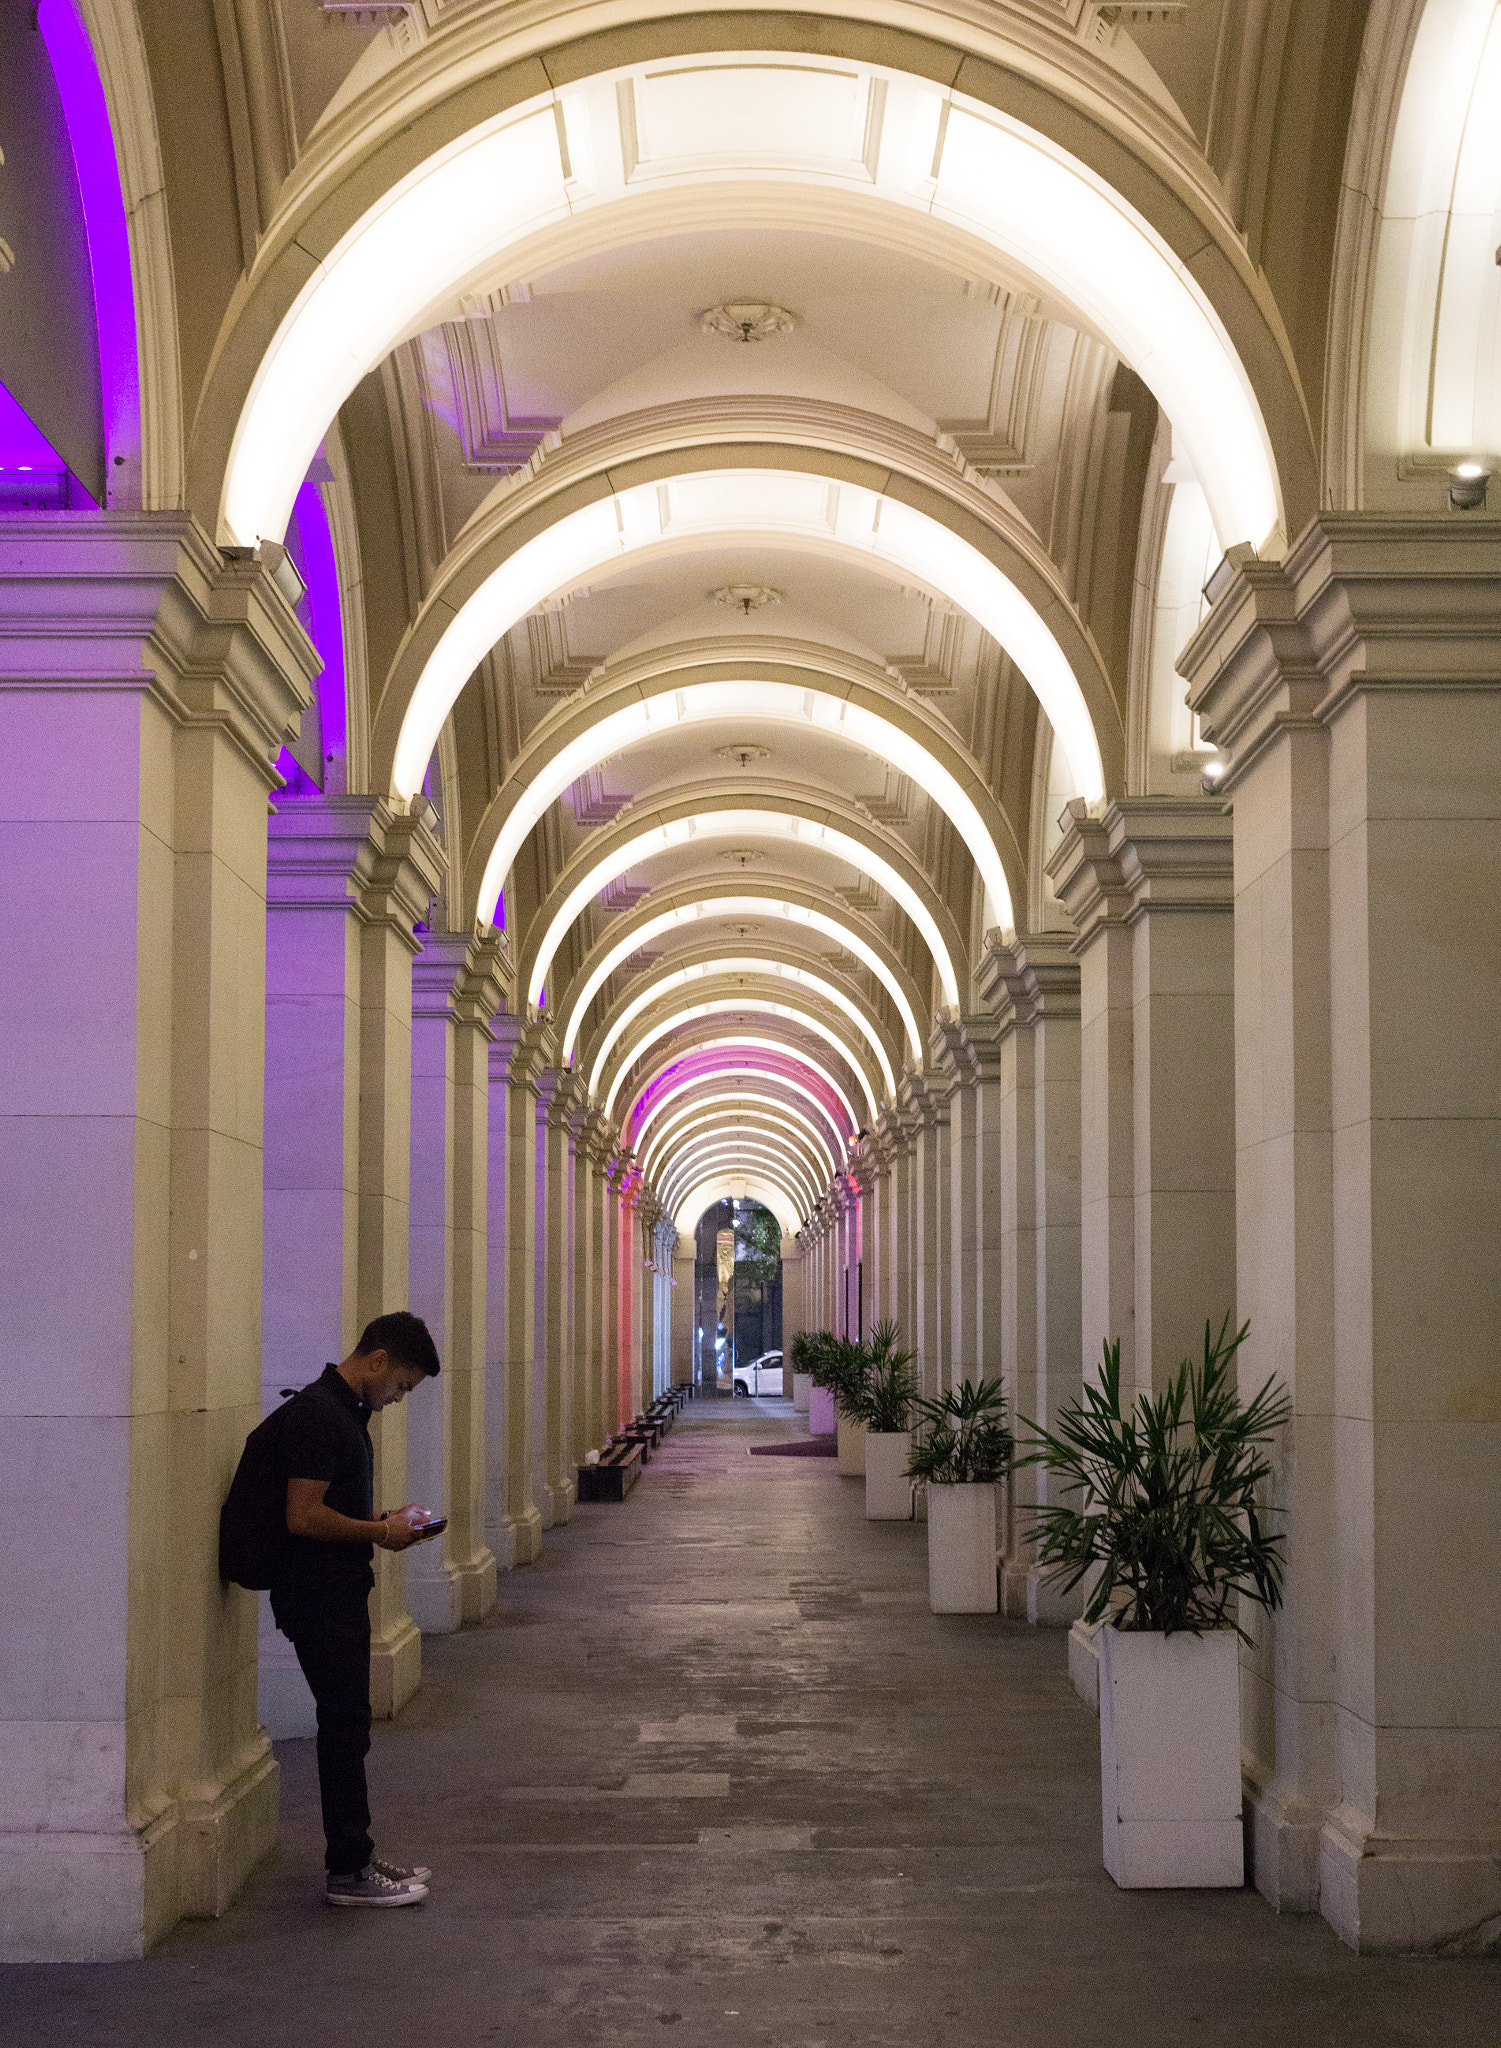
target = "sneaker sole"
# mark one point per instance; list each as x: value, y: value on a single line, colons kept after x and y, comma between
x: 413, y: 1898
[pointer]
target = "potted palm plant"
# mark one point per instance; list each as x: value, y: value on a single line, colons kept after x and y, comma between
x: 850, y: 1371
x: 819, y: 1353
x: 888, y: 1416
x: 1158, y: 1499
x: 963, y: 1447
x: 802, y: 1379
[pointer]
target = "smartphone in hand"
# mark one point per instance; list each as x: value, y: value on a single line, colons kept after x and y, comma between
x: 433, y: 1528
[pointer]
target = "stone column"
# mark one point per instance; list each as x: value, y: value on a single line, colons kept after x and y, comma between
x: 146, y: 686
x: 956, y: 1084
x: 1153, y: 876
x: 334, y: 864
x: 1032, y: 990
x: 929, y: 1232
x: 682, y: 1312
x: 586, y: 1435
x: 514, y: 1530
x: 456, y: 989
x: 557, y: 1483
x: 1355, y: 689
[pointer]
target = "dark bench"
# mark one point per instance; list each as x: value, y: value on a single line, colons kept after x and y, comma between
x: 613, y: 1477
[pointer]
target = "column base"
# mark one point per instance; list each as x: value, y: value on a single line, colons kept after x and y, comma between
x: 1084, y: 1662
x: 1395, y: 1895
x: 1282, y: 1845
x: 561, y: 1495
x: 222, y: 1840
x: 476, y: 1583
x: 522, y: 1537
x: 77, y: 1896
x: 1047, y: 1607
x: 433, y: 1597
x: 395, y: 1668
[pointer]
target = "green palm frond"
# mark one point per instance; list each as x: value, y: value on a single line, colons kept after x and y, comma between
x: 1160, y: 1497
x: 963, y: 1435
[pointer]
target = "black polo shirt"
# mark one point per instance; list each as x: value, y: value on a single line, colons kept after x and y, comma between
x: 326, y: 1436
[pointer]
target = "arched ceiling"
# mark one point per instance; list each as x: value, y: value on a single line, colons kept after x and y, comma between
x: 745, y: 674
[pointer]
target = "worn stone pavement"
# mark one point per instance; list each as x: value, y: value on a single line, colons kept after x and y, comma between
x: 712, y: 1773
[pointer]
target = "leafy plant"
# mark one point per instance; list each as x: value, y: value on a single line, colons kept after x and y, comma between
x: 1164, y: 1496
x: 835, y: 1364
x: 893, y: 1384
x: 758, y: 1243
x: 964, y: 1438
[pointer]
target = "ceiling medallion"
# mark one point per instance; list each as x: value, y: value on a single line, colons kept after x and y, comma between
x: 743, y: 752
x: 743, y: 856
x: 748, y: 320
x: 748, y: 597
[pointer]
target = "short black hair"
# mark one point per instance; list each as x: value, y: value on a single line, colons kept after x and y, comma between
x: 405, y: 1339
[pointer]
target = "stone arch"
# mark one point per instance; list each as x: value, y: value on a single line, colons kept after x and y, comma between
x: 1118, y: 194
x: 749, y: 1117
x: 766, y: 964
x: 787, y: 1091
x: 750, y: 810
x: 708, y: 1049
x: 678, y: 912
x: 770, y: 1193
x: 757, y: 681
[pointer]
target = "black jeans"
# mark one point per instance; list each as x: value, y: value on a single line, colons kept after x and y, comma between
x: 333, y: 1649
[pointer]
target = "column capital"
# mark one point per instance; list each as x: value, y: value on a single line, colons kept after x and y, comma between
x: 353, y: 852
x: 461, y: 975
x: 1028, y: 979
x: 517, y: 1054
x: 921, y: 1107
x: 1362, y: 601
x: 1143, y: 855
x: 145, y: 601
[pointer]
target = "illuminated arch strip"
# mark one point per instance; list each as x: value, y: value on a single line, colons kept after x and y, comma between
x: 765, y: 824
x: 820, y: 513
x: 715, y: 1126
x: 747, y: 701
x: 752, y: 1159
x: 715, y: 1113
x: 665, y: 983
x: 711, y: 1076
x: 777, y: 1049
x: 457, y: 215
x: 743, y: 1187
x: 725, y: 1007
x: 685, y: 915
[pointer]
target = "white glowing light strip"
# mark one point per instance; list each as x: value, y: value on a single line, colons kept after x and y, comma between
x: 788, y: 1137
x: 741, y: 906
x: 456, y: 215
x: 741, y: 1187
x: 722, y: 505
x: 666, y: 984
x: 750, y: 703
x: 696, y: 1011
x: 1089, y: 244
x: 757, y: 1158
x: 738, y: 1094
x: 700, y: 1115
x: 747, y: 825
x: 786, y: 1052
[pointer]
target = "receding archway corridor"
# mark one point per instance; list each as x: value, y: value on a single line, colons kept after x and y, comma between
x: 711, y: 1772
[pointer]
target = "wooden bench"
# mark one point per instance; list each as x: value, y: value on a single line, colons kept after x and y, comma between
x: 613, y: 1477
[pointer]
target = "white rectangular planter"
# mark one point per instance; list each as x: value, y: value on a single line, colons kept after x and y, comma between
x: 802, y: 1387
x: 888, y: 1490
x: 820, y: 1412
x: 1170, y: 1793
x: 961, y: 1549
x: 851, y: 1449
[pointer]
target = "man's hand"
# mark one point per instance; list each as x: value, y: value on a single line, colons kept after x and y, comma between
x: 401, y: 1526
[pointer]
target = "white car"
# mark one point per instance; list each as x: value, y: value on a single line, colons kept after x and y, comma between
x: 762, y: 1376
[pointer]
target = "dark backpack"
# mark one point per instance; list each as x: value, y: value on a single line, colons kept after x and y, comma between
x: 253, y: 1519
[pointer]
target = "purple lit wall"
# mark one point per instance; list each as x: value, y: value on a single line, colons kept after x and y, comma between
x: 311, y: 546
x: 24, y: 448
x: 93, y: 143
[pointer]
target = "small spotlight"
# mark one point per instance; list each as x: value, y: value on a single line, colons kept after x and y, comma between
x: 1213, y: 774
x: 1467, y: 486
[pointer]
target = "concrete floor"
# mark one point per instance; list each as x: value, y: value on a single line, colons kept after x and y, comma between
x: 712, y: 1773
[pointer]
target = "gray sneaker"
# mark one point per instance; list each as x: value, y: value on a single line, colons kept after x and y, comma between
x: 401, y: 1873
x: 368, y: 1887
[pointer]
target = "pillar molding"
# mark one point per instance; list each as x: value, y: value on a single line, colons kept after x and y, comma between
x: 557, y: 1484
x: 1030, y: 1112
x: 1354, y: 688
x: 458, y: 984
x: 158, y: 681
x: 514, y: 1530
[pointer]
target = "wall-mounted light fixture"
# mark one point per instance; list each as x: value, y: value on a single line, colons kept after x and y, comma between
x: 1467, y: 485
x: 1213, y: 774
